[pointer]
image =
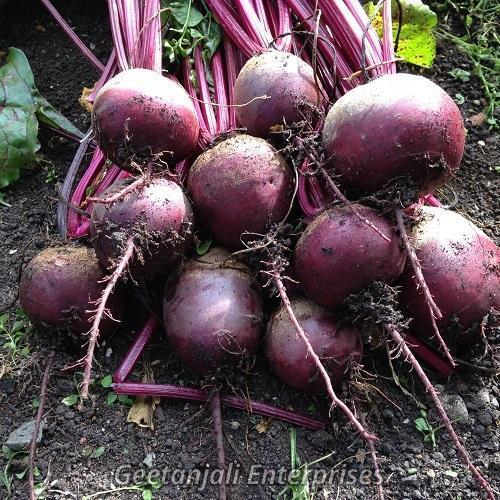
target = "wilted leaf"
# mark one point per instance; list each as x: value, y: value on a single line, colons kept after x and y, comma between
x: 82, y: 100
x: 417, y: 44
x: 263, y: 426
x: 143, y: 409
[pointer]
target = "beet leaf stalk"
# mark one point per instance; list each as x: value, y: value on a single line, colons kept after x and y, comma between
x: 219, y: 441
x: 192, y: 394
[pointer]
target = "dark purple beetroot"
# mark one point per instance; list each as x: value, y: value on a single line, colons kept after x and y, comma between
x: 213, y: 312
x: 338, y: 254
x: 396, y: 125
x: 461, y: 267
x: 241, y: 184
x: 287, y: 353
x: 139, y: 114
x: 286, y: 79
x: 58, y: 288
x: 157, y: 214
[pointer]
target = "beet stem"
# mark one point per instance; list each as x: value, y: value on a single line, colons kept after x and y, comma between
x: 219, y: 442
x: 73, y: 36
x: 174, y: 391
x: 101, y: 311
x: 135, y: 351
x: 38, y: 421
x: 410, y: 358
x: 302, y: 334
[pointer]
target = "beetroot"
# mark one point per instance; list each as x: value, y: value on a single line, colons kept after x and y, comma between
x: 286, y: 79
x: 213, y: 312
x: 159, y: 217
x: 58, y: 288
x: 287, y: 353
x: 397, y: 125
x: 139, y: 114
x: 338, y: 254
x: 461, y: 266
x: 241, y: 184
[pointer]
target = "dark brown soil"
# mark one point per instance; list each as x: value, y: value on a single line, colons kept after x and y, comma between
x: 182, y: 439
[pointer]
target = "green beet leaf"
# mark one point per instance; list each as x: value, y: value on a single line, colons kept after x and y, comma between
x: 21, y: 108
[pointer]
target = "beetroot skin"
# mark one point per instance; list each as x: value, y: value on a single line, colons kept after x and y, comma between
x: 461, y: 267
x: 396, y: 125
x: 241, y: 184
x: 338, y: 254
x: 287, y: 353
x: 58, y: 288
x: 157, y: 214
x: 139, y: 113
x: 286, y: 79
x: 213, y: 312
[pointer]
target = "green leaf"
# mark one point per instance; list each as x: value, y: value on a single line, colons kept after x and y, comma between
x: 112, y: 397
x: 417, y: 44
x: 106, y: 381
x: 459, y: 98
x: 125, y: 400
x: 147, y: 495
x: 70, y: 400
x: 20, y: 475
x: 185, y: 11
x: 98, y: 452
x: 460, y: 74
x: 22, y: 106
x: 7, y: 452
x: 203, y: 247
x: 422, y: 425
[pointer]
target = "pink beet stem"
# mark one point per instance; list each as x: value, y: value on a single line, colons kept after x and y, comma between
x: 135, y: 351
x: 173, y: 391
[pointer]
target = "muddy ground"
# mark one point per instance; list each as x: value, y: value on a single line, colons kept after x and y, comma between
x: 84, y: 452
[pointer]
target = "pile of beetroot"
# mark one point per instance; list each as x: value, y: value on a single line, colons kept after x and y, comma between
x: 278, y: 192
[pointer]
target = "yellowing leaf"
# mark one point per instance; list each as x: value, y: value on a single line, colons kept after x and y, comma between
x: 417, y: 44
x: 263, y: 426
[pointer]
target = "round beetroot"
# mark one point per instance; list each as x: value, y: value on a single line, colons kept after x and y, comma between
x: 286, y: 79
x: 213, y: 312
x: 159, y: 217
x: 287, y: 353
x: 338, y: 254
x: 461, y: 267
x: 58, y: 288
x: 240, y: 185
x: 397, y: 125
x: 139, y: 114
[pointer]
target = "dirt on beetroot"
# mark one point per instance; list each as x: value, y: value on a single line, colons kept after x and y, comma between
x: 95, y: 449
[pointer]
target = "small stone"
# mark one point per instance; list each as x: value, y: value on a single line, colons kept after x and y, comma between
x: 149, y: 460
x: 482, y: 398
x: 455, y: 407
x: 431, y: 473
x: 21, y: 437
x: 485, y: 418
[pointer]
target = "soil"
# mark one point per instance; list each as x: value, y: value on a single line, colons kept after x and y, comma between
x: 90, y: 450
